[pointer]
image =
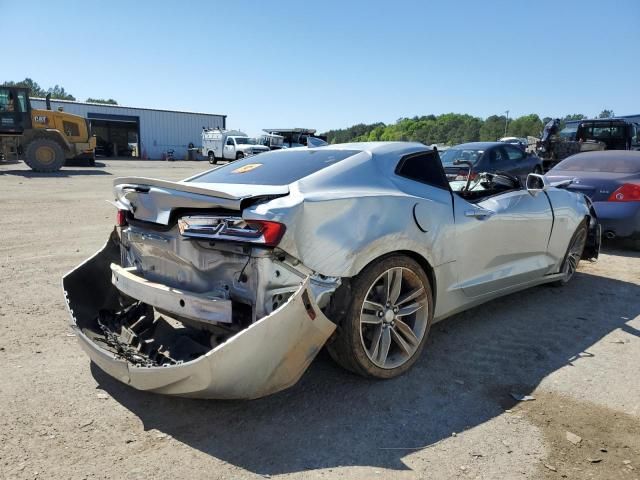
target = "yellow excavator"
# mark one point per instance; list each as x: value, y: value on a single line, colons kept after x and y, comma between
x: 44, y: 139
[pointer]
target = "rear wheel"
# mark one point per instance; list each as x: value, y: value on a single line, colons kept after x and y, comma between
x: 212, y: 158
x: 573, y: 255
x: 44, y: 155
x: 239, y: 155
x: 387, y: 320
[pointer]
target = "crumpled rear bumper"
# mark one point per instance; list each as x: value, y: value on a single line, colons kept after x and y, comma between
x: 268, y: 356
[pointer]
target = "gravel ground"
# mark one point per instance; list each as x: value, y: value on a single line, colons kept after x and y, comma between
x: 575, y: 349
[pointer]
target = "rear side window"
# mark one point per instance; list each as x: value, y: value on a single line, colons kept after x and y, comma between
x: 515, y: 154
x: 280, y: 167
x: 497, y: 157
x: 613, y: 164
x: 424, y: 168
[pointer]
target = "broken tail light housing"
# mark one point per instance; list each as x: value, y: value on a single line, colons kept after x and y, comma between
x: 264, y: 232
x: 629, y: 192
x: 121, y: 218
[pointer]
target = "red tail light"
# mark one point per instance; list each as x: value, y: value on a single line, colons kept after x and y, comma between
x: 121, y: 218
x: 629, y: 192
x: 264, y: 232
x: 272, y: 232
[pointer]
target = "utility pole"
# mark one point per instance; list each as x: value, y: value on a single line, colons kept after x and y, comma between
x: 506, y: 123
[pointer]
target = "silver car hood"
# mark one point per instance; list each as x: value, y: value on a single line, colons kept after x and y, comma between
x: 152, y: 200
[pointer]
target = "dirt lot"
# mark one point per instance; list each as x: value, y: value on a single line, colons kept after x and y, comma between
x: 576, y: 350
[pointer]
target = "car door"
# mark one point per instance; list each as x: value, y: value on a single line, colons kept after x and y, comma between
x: 501, y: 241
x: 517, y: 163
x: 230, y: 149
x: 498, y: 159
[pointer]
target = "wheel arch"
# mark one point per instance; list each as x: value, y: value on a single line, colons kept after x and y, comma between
x: 48, y: 134
x: 337, y: 307
x: 419, y: 259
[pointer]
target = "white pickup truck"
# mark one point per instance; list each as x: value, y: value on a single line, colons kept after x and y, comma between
x: 228, y: 145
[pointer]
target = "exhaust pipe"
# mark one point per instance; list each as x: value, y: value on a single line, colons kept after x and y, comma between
x: 48, y: 100
x: 610, y: 234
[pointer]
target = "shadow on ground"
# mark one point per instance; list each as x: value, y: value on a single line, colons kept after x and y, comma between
x: 332, y: 418
x: 63, y: 172
x: 620, y: 248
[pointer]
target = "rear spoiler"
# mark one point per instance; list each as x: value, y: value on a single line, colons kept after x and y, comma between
x: 152, y: 200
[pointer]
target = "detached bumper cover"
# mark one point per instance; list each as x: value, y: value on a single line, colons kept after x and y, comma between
x: 268, y: 356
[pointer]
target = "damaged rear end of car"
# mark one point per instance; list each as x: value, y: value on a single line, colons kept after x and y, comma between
x: 191, y: 296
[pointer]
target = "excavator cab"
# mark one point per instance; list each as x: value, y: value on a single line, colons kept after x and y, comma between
x: 15, y: 110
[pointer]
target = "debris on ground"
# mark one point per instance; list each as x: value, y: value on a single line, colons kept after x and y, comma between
x: 102, y: 396
x: 573, y: 438
x: 521, y: 397
x: 550, y: 467
x: 594, y: 460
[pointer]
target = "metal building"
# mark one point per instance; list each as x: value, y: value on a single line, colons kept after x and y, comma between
x: 139, y: 132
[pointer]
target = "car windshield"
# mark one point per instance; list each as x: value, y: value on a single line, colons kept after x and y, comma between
x: 279, y: 167
x: 597, y: 163
x: 569, y: 132
x: 453, y: 154
x: 245, y: 141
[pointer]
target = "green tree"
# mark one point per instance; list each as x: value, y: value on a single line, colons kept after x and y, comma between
x: 36, y: 90
x: 606, y: 114
x: 60, y: 93
x: 493, y: 128
x: 109, y: 101
x: 527, y: 125
x: 573, y: 117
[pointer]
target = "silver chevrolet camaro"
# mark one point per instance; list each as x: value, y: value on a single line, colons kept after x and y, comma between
x: 228, y: 283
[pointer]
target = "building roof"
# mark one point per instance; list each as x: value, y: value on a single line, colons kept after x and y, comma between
x: 108, y: 105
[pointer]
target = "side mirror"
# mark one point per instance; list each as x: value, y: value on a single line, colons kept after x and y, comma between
x: 536, y: 183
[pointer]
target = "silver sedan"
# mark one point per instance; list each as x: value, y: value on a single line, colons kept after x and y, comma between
x: 228, y: 283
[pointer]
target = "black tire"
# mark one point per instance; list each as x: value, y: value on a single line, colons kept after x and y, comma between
x: 573, y: 254
x: 212, y: 158
x: 239, y: 155
x: 348, y: 347
x: 44, y: 155
x: 91, y: 162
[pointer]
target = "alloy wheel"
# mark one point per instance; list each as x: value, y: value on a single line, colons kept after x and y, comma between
x: 574, y: 253
x: 394, y: 317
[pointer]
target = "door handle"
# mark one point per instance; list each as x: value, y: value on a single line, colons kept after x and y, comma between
x: 479, y: 213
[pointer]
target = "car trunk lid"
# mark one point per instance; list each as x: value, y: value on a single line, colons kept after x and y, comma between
x: 598, y: 186
x: 153, y: 200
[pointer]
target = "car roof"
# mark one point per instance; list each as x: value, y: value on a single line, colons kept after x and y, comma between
x: 478, y: 145
x: 609, y: 154
x: 377, y: 148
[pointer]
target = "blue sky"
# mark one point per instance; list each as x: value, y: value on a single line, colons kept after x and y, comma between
x: 331, y: 64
